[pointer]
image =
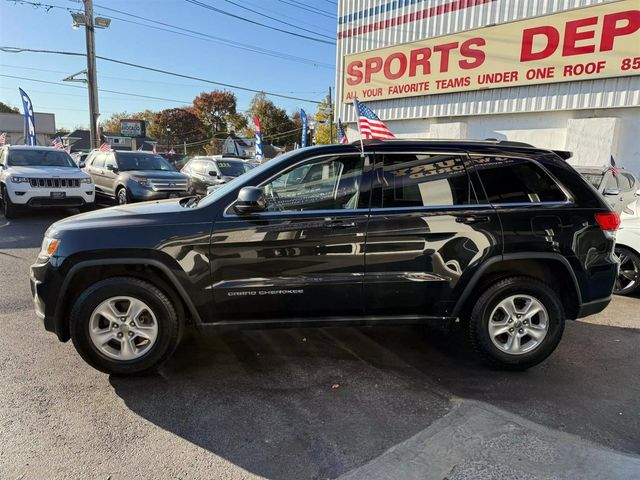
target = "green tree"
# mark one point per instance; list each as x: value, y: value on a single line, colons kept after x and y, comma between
x: 4, y: 108
x: 323, y: 126
x: 276, y: 126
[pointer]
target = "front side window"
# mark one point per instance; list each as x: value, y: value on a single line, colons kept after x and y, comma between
x: 612, y: 181
x: 516, y: 180
x: 412, y: 180
x: 328, y: 183
x: 40, y: 158
x: 626, y: 182
x: 109, y: 159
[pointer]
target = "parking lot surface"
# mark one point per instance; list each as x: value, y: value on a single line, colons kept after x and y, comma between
x: 312, y: 403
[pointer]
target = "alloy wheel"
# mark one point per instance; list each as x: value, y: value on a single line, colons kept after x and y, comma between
x: 628, y: 274
x: 123, y: 328
x: 122, y: 197
x: 518, y: 324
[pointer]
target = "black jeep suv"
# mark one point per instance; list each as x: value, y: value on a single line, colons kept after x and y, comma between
x: 505, y: 237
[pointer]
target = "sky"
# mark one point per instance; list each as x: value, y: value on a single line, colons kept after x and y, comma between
x: 308, y: 76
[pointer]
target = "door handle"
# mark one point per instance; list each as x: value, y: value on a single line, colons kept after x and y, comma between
x: 471, y: 219
x: 339, y: 224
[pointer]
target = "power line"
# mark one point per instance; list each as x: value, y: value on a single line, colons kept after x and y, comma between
x: 157, y: 70
x: 307, y: 8
x: 190, y: 33
x: 219, y: 40
x: 288, y: 32
x: 277, y: 19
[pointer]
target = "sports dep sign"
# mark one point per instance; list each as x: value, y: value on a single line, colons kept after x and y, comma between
x: 583, y: 44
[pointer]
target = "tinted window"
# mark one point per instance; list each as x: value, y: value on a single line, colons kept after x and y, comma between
x: 232, y: 168
x: 626, y: 181
x: 612, y: 181
x: 40, y: 158
x: 593, y: 178
x: 513, y: 180
x: 424, y: 180
x: 329, y: 183
x: 143, y: 161
x: 109, y: 159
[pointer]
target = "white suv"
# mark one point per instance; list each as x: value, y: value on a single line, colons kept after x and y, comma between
x: 42, y: 177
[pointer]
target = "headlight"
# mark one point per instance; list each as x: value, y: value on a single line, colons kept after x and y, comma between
x: 19, y: 179
x: 49, y: 247
x: 86, y: 180
x: 144, y: 181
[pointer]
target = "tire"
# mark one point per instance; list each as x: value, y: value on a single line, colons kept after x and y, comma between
x: 87, y: 207
x: 122, y: 196
x: 489, y: 313
x: 9, y: 209
x: 629, y: 263
x: 107, y: 356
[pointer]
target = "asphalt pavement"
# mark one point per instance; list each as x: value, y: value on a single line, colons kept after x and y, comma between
x: 313, y: 403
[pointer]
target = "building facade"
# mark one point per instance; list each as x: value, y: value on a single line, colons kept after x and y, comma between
x: 556, y: 74
x: 13, y: 125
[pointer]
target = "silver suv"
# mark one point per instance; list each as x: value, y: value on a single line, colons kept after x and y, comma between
x: 620, y: 189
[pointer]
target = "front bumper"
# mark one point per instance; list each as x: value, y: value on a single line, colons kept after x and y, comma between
x: 42, y: 197
x: 45, y: 281
x: 142, y: 194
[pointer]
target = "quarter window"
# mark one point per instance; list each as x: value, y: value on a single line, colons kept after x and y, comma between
x: 328, y: 183
x: 411, y: 180
x: 515, y: 180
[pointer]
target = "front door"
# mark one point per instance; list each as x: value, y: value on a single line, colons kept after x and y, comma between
x: 426, y: 233
x: 304, y: 255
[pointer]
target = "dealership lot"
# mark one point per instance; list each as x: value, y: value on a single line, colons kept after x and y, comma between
x: 303, y: 403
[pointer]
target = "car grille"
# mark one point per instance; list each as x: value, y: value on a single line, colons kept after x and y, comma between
x: 55, y: 182
x: 170, y: 185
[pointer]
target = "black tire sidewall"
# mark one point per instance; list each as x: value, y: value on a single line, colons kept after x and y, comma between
x: 168, y: 325
x: 636, y: 260
x: 122, y: 191
x: 489, y: 300
x: 8, y: 208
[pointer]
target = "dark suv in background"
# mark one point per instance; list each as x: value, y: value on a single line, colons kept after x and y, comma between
x: 507, y: 238
x: 134, y: 176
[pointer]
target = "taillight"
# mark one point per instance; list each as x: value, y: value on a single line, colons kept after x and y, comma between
x: 608, y: 222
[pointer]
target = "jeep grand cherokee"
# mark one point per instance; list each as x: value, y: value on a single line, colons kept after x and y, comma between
x: 507, y: 238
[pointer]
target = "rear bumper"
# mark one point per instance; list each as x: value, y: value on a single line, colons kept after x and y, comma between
x: 591, y: 308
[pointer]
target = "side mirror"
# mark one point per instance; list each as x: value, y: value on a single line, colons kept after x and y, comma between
x: 611, y: 191
x: 250, y: 200
x: 213, y: 173
x: 81, y: 164
x: 112, y: 168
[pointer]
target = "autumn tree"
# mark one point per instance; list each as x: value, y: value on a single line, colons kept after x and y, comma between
x: 277, y: 128
x: 323, y: 124
x: 174, y: 126
x: 4, y: 108
x: 217, y: 110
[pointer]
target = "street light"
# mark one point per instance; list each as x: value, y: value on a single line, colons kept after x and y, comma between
x: 87, y: 21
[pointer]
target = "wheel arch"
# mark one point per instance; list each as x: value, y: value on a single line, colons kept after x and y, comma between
x: 548, y: 267
x: 88, y: 272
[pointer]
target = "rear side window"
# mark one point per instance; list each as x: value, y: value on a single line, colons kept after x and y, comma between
x: 626, y: 182
x: 515, y: 180
x: 412, y: 180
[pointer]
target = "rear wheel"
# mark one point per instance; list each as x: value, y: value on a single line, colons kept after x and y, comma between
x: 9, y: 209
x: 628, y: 280
x: 516, y: 323
x: 124, y: 325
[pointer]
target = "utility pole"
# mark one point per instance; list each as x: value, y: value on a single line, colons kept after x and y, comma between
x: 92, y: 81
x: 330, y: 118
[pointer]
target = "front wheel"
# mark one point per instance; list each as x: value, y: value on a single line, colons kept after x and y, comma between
x: 628, y: 280
x: 8, y: 207
x: 122, y: 196
x: 516, y: 323
x: 124, y: 325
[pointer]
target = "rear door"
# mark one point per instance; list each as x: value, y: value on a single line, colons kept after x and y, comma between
x: 304, y: 255
x: 427, y: 234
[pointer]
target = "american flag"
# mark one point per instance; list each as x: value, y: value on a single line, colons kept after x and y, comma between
x: 3, y: 138
x: 370, y: 125
x: 614, y: 167
x: 57, y: 143
x: 105, y: 147
x: 154, y: 151
x: 342, y: 136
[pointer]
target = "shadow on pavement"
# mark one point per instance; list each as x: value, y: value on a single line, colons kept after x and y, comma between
x: 316, y: 403
x: 27, y: 230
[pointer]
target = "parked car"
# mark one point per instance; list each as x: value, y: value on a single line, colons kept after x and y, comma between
x: 620, y: 189
x: 40, y: 177
x: 212, y: 171
x: 628, y: 250
x: 509, y: 239
x: 134, y: 176
x: 79, y: 158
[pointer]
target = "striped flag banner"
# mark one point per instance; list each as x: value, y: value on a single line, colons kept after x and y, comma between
x: 3, y: 138
x: 369, y: 124
x: 342, y: 136
x: 57, y: 143
x: 105, y: 147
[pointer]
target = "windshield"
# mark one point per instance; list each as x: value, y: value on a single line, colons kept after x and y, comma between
x: 40, y: 158
x: 143, y: 161
x: 246, y: 179
x: 232, y: 168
